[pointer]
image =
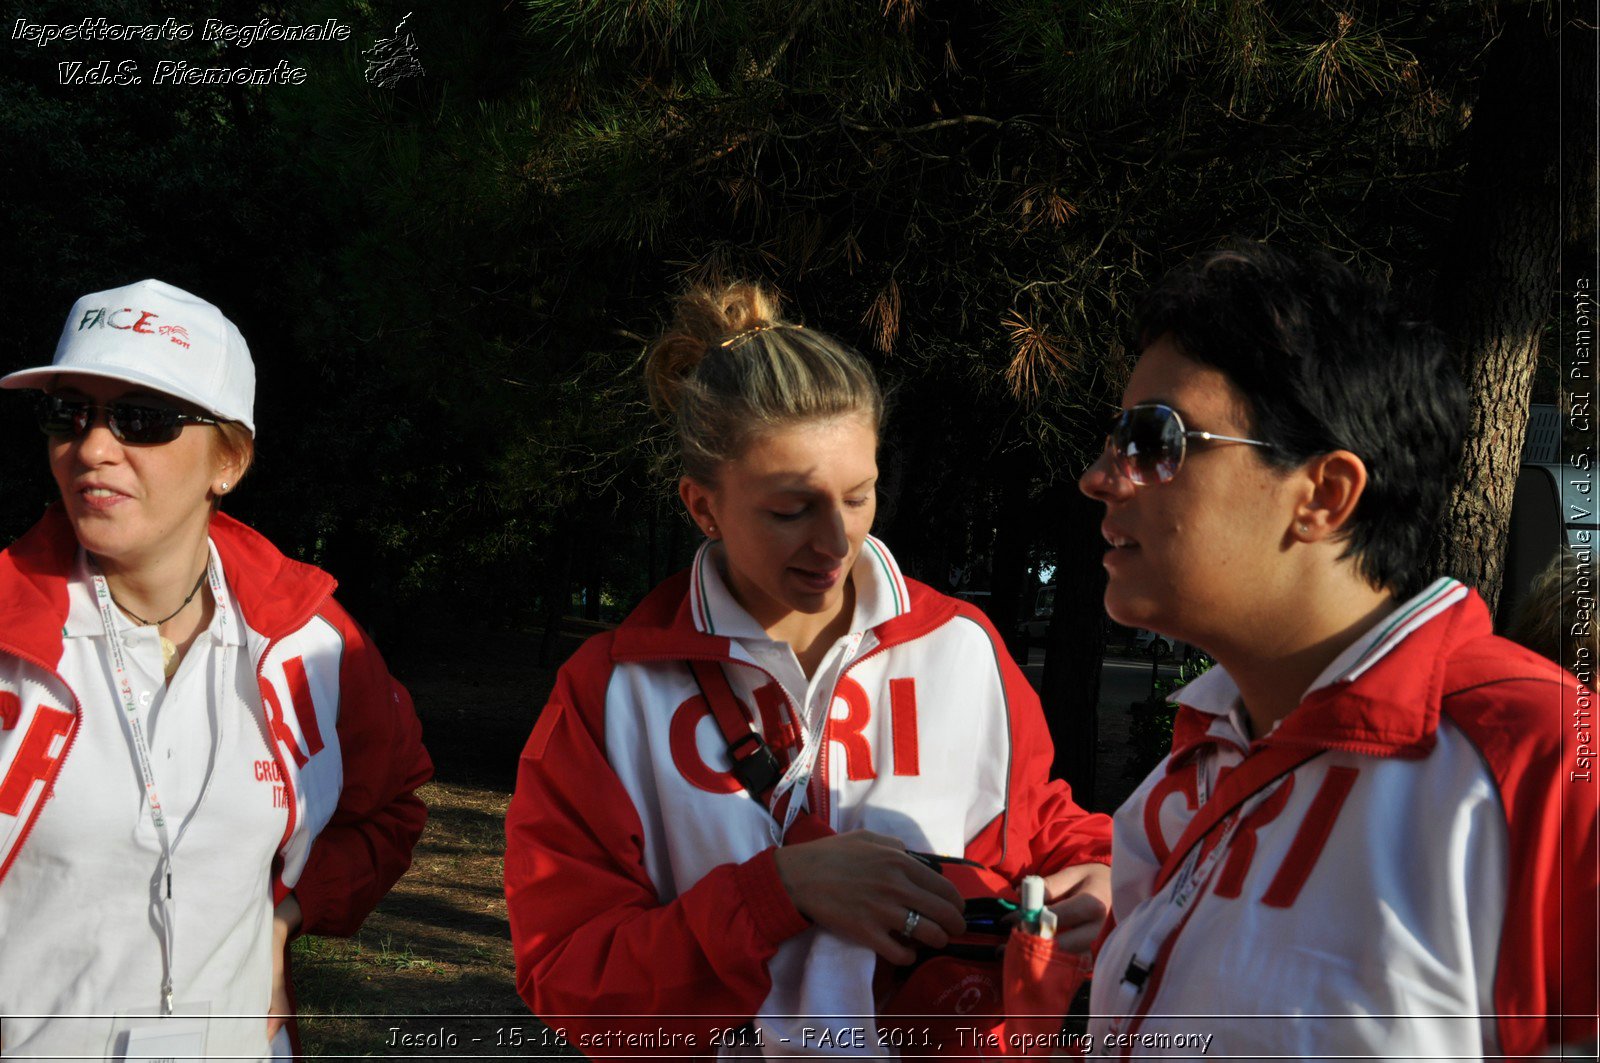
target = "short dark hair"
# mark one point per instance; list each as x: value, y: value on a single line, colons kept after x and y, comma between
x: 1327, y: 362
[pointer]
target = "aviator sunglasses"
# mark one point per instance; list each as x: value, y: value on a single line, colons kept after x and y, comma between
x: 1149, y: 441
x: 134, y: 423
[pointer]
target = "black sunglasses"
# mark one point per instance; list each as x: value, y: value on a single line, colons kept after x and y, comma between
x: 134, y: 423
x: 1149, y: 441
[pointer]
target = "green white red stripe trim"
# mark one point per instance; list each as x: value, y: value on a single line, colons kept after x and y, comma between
x: 879, y: 554
x: 1437, y: 597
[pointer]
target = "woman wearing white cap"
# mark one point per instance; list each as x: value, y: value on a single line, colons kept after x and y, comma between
x: 200, y: 753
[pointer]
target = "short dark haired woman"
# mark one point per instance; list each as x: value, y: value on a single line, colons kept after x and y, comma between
x: 1366, y: 840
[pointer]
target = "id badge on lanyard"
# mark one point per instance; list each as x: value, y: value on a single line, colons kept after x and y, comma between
x: 123, y: 690
x: 144, y: 1037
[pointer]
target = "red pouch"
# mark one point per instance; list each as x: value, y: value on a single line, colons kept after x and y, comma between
x: 1039, y: 983
x: 951, y: 1003
x: 948, y: 1006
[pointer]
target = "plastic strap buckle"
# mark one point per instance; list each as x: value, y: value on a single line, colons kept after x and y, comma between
x: 758, y: 770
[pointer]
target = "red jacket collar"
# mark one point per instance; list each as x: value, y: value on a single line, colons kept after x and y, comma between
x: 276, y: 594
x: 662, y: 626
x: 1390, y: 710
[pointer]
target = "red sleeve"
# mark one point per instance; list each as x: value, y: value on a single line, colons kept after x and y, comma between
x: 1532, y: 736
x: 1044, y: 829
x: 366, y: 845
x: 1057, y: 832
x: 591, y: 936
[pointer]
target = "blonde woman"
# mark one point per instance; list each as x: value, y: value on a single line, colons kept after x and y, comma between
x: 649, y: 870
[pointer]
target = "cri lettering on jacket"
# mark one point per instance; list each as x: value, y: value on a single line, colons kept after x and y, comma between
x: 45, y: 741
x: 781, y: 732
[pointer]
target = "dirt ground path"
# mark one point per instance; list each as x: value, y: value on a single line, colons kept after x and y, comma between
x: 431, y: 971
x: 434, y: 960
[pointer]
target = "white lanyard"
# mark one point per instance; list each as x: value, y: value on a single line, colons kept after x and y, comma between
x: 1189, y: 881
x: 794, y: 780
x: 122, y: 687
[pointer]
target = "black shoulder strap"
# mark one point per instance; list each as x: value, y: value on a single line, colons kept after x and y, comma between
x: 754, y: 764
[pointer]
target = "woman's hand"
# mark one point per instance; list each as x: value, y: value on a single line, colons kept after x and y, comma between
x: 285, y: 921
x: 862, y: 886
x: 1080, y: 895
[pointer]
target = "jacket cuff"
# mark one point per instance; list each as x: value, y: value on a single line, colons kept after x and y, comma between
x: 770, y: 907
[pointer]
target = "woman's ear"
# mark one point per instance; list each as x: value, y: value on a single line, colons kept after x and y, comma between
x: 1337, y: 481
x: 698, y: 500
x: 233, y: 450
x: 227, y: 473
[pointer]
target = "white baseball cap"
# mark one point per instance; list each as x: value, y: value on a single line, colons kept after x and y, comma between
x: 159, y: 337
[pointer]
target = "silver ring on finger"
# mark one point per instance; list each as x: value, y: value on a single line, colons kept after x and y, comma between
x: 913, y: 917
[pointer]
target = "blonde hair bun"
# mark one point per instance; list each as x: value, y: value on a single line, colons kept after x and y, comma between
x: 702, y: 319
x: 728, y: 366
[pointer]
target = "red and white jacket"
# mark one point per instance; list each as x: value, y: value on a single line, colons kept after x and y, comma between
x: 640, y: 876
x: 1424, y: 886
x: 344, y: 734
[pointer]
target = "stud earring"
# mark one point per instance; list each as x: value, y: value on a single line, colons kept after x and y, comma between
x: 1305, y: 529
x: 225, y: 485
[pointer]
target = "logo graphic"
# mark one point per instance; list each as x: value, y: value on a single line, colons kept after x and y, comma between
x: 105, y: 317
x: 393, y: 59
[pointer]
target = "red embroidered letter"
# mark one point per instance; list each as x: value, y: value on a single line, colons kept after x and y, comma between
x: 34, y: 760
x: 305, y: 710
x: 279, y: 727
x: 846, y: 730
x: 776, y: 729
x: 1311, y: 837
x: 10, y: 709
x: 1242, y: 849
x: 903, y: 723
x: 1182, y: 781
x: 686, y: 751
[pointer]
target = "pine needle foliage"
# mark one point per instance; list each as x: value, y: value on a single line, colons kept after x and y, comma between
x: 972, y: 193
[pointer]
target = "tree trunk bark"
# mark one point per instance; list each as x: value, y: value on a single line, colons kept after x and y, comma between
x: 1076, y: 641
x: 1495, y: 288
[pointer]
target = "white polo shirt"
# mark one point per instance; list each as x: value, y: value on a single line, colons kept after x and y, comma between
x: 78, y: 914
